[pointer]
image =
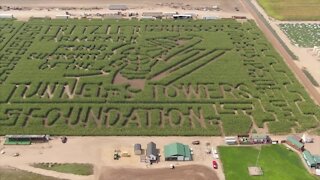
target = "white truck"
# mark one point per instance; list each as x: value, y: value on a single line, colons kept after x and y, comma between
x: 215, y: 154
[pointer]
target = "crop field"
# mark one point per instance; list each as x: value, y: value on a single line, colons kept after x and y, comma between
x: 292, y: 10
x: 71, y: 168
x: 276, y: 162
x: 304, y: 35
x: 81, y: 77
x: 16, y: 174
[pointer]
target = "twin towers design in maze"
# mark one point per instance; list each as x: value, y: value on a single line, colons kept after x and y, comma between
x: 146, y: 78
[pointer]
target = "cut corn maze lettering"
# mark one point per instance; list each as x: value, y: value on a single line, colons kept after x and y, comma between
x: 109, y: 77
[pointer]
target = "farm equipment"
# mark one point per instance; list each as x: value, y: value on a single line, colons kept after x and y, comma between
x: 116, y: 155
x: 64, y: 139
x: 125, y: 154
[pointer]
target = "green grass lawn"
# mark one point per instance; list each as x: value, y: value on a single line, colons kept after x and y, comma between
x: 79, y: 169
x: 14, y: 174
x: 292, y: 9
x: 276, y: 161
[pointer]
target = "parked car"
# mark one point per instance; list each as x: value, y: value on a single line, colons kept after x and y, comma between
x: 236, y: 8
x: 215, y: 153
x: 214, y: 164
x: 195, y: 142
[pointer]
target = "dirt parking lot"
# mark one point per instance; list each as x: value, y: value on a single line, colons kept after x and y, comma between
x: 190, y: 172
x: 23, y: 10
x: 99, y: 152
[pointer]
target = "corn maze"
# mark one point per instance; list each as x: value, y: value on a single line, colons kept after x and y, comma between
x: 128, y: 77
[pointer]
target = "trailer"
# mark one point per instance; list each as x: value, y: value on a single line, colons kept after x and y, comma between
x: 6, y: 16
x: 182, y: 16
x: 211, y: 17
x: 25, y: 139
x: 231, y: 140
x: 63, y: 16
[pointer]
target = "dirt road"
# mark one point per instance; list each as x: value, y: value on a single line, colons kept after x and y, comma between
x: 281, y: 50
x: 191, y: 172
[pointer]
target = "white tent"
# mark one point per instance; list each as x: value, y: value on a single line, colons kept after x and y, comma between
x: 306, y: 139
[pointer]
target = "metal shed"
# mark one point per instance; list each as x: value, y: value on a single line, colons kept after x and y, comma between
x: 152, y: 154
x: 309, y: 158
x: 177, y: 152
x: 137, y: 149
x: 295, y: 142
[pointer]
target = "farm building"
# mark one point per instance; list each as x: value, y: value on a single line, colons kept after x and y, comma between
x: 177, y: 152
x: 137, y: 149
x: 260, y: 138
x: 6, y: 16
x: 231, y: 140
x: 152, y: 154
x: 312, y: 161
x: 119, y: 7
x: 25, y: 139
x: 295, y: 142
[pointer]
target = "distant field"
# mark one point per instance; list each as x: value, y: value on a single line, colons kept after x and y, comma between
x: 276, y: 161
x: 292, y: 9
x: 13, y: 174
x: 304, y: 35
